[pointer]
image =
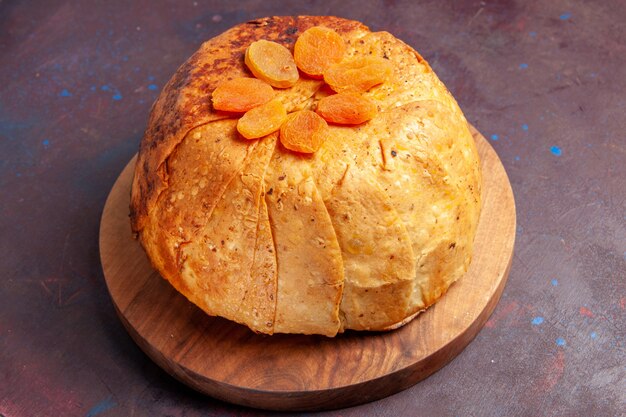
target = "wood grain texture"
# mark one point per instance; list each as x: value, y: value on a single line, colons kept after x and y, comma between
x: 295, y: 372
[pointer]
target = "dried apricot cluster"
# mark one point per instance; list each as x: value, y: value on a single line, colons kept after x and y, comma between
x: 318, y: 53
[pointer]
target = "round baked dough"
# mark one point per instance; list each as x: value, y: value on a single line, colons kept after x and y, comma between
x: 364, y: 234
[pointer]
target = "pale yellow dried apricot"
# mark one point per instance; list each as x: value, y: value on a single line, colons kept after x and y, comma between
x: 346, y: 108
x: 241, y: 94
x: 303, y: 131
x: 262, y: 120
x: 358, y: 74
x: 272, y: 63
x: 318, y: 48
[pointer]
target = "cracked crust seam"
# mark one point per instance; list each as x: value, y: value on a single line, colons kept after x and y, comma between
x: 343, y: 269
x: 271, y: 231
x: 258, y: 223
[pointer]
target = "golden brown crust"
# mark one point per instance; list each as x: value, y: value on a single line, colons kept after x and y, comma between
x: 255, y: 233
x: 185, y: 101
x: 310, y: 266
x: 378, y: 258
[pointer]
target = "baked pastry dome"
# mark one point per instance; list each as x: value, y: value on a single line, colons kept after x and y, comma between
x: 363, y: 234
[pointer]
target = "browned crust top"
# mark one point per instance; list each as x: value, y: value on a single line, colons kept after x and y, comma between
x: 185, y: 102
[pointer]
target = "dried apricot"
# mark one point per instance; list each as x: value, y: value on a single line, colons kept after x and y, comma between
x: 272, y: 63
x: 241, y: 94
x: 262, y: 120
x: 346, y: 108
x: 303, y: 131
x: 358, y: 74
x: 317, y: 49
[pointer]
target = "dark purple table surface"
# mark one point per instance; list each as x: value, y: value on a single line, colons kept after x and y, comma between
x: 544, y: 81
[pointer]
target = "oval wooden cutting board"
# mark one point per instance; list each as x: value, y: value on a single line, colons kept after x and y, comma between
x: 295, y: 372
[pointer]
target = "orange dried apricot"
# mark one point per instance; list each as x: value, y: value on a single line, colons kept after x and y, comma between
x: 241, y: 94
x: 346, y: 108
x: 272, y: 63
x: 318, y: 48
x: 358, y: 74
x: 303, y: 131
x: 262, y: 120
